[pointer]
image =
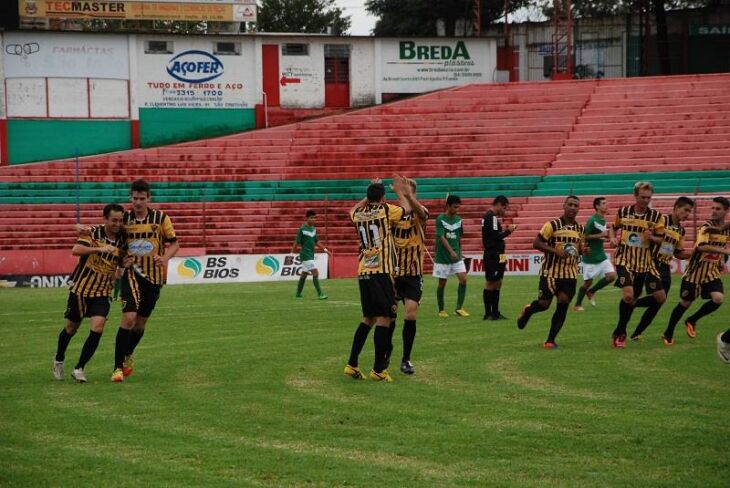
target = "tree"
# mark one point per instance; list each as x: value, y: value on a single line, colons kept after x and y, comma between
x: 304, y: 16
x: 420, y: 17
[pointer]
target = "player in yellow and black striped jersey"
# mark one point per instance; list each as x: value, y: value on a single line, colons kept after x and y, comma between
x: 151, y: 241
x: 562, y: 242
x: 409, y: 235
x: 373, y: 218
x: 671, y: 246
x: 637, y: 226
x: 702, y: 276
x: 101, y: 252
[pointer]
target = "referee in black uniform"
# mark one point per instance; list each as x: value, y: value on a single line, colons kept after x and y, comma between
x: 495, y: 258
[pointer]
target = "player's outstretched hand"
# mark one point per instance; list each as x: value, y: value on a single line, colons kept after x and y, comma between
x: 82, y: 230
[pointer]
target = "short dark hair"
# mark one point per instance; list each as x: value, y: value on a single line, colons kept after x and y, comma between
x: 452, y: 199
x: 571, y: 197
x: 141, y: 185
x: 722, y: 201
x: 112, y: 207
x: 500, y: 200
x: 597, y: 201
x: 311, y: 213
x: 683, y: 202
x: 376, y: 191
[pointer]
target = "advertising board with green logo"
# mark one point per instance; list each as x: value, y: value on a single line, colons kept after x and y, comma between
x: 237, y: 268
x: 419, y: 65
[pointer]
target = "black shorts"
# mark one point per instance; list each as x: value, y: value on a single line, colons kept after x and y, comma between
x: 377, y: 295
x: 690, y: 291
x: 79, y: 307
x: 665, y: 275
x: 494, y: 266
x: 550, y: 287
x: 409, y: 287
x: 138, y: 294
x: 637, y: 281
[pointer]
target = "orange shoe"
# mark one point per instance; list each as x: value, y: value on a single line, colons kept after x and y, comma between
x: 667, y: 342
x: 690, y: 328
x: 128, y: 366
x: 550, y: 345
x: 619, y: 342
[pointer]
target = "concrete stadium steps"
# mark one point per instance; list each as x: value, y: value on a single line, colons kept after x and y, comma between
x: 652, y: 124
x: 270, y: 227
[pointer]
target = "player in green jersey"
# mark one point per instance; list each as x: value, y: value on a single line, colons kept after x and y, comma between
x: 306, y: 242
x: 596, y: 262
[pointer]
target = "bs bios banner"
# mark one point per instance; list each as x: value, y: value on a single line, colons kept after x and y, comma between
x: 420, y: 65
x: 232, y: 268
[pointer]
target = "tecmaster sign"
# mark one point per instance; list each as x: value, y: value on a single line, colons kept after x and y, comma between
x: 231, y: 268
x: 138, y: 10
x: 415, y: 66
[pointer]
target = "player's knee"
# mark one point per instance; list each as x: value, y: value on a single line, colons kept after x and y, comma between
x: 72, y: 327
x: 610, y: 278
x: 98, y: 326
x: 660, y: 297
x: 718, y: 298
x: 544, y: 304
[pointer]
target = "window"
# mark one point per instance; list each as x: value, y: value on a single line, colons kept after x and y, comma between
x: 158, y: 47
x: 295, y: 50
x: 339, y: 51
x: 227, y: 49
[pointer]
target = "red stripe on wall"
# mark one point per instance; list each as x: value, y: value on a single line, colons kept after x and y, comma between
x: 4, y: 142
x: 134, y: 127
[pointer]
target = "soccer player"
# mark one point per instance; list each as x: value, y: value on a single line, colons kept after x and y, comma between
x: 702, y: 276
x: 100, y: 254
x: 372, y: 218
x: 671, y: 246
x: 152, y: 242
x: 306, y: 242
x: 595, y: 263
x: 449, y: 260
x: 409, y: 236
x: 639, y: 227
x: 495, y: 259
x: 561, y: 240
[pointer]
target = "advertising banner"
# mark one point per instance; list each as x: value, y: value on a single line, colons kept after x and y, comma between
x: 34, y: 281
x: 420, y: 65
x: 67, y: 55
x: 192, y: 76
x: 139, y: 10
x: 529, y: 264
x: 232, y: 268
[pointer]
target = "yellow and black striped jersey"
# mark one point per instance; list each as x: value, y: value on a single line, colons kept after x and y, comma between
x: 673, y: 241
x: 561, y: 235
x: 146, y: 238
x: 634, y: 251
x: 94, y: 273
x: 706, y: 266
x: 377, y: 249
x: 409, y: 236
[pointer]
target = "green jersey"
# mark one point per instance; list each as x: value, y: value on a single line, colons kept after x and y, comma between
x: 595, y: 225
x: 452, y: 230
x: 307, y: 238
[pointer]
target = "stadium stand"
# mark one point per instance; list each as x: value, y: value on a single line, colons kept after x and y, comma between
x: 534, y: 142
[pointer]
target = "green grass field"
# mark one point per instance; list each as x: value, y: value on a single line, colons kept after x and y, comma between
x: 242, y: 385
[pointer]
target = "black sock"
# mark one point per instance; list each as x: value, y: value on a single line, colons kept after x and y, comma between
x: 409, y: 335
x: 706, y: 309
x: 673, y: 319
x: 391, y: 331
x: 646, y: 301
x: 725, y: 337
x: 120, y: 346
x: 561, y: 311
x: 487, y: 299
x: 381, y: 348
x: 495, y: 303
x: 134, y: 338
x: 624, y: 315
x: 358, y: 342
x: 92, y: 342
x: 647, y: 317
x: 535, y: 307
x: 63, y: 339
